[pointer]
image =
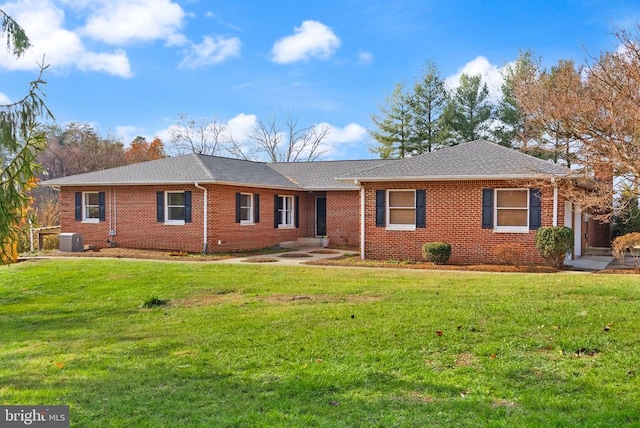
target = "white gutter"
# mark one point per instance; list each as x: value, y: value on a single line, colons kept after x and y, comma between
x: 204, y: 217
x: 448, y: 178
x: 362, y: 222
x: 555, y: 202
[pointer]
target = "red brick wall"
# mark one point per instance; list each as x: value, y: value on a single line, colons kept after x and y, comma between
x: 136, y: 226
x: 454, y: 216
x: 343, y: 217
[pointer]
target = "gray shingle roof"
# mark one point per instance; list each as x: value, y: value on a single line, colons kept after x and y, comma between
x: 182, y: 169
x: 477, y: 159
x: 322, y: 175
x: 474, y: 160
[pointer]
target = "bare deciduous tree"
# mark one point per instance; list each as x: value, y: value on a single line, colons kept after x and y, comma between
x: 265, y: 141
x: 207, y: 137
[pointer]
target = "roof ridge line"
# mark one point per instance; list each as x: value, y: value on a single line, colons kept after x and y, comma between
x: 202, y: 165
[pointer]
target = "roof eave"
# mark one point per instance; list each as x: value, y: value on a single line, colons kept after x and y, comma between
x: 453, y: 177
x: 167, y: 183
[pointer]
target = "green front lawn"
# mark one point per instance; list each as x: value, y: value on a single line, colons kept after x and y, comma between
x: 264, y: 345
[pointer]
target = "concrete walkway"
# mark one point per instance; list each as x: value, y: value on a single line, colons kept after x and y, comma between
x: 296, y: 257
x: 589, y: 263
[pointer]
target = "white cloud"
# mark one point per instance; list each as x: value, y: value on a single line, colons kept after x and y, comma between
x: 120, y: 22
x: 491, y: 75
x: 352, y: 133
x: 365, y: 57
x: 4, y: 100
x: 44, y: 23
x: 127, y: 133
x: 311, y: 40
x: 115, y: 63
x: 241, y: 125
x: 211, y: 51
x: 340, y: 140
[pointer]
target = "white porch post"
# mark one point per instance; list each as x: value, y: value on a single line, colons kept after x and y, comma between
x: 577, y: 230
x: 362, y: 223
x: 555, y: 203
x: 568, y: 221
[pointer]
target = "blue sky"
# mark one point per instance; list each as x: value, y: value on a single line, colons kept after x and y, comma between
x: 129, y: 67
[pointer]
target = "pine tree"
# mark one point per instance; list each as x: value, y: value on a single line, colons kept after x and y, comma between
x: 427, y: 105
x: 516, y: 127
x: 20, y: 143
x: 394, y: 129
x: 469, y: 110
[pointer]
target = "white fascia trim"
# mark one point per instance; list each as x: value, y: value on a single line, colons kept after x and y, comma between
x: 173, y: 183
x: 447, y: 178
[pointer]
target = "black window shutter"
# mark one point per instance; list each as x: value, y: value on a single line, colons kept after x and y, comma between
x: 421, y: 208
x: 187, y: 207
x: 380, y: 207
x: 160, y: 207
x: 78, y: 206
x: 535, y: 209
x: 296, y: 204
x: 256, y: 208
x: 487, y: 208
x: 277, y: 206
x: 101, y: 208
x: 238, y: 206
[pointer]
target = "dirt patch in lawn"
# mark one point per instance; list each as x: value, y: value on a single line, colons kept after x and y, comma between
x: 320, y: 298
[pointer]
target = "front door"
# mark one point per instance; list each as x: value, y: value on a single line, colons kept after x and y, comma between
x: 321, y: 215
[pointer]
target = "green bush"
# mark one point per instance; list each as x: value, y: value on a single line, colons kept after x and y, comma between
x: 436, y: 252
x: 554, y: 243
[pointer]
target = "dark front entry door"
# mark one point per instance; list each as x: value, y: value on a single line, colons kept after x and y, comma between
x: 321, y: 216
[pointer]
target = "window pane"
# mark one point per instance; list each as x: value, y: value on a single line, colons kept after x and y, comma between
x: 92, y: 212
x: 245, y: 200
x: 175, y: 199
x: 402, y: 216
x: 91, y: 199
x: 245, y: 214
x: 175, y: 213
x: 512, y: 198
x: 512, y: 217
x: 401, y: 199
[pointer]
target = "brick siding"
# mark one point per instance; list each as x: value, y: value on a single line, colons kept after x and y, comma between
x: 454, y: 216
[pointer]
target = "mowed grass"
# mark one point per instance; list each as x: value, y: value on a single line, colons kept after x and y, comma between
x: 257, y: 345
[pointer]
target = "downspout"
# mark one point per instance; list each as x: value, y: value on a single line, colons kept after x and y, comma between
x: 555, y: 201
x: 204, y: 217
x: 362, y: 222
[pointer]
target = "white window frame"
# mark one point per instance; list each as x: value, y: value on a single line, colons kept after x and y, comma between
x: 510, y: 229
x: 250, y: 220
x: 282, y: 212
x: 167, y: 220
x: 392, y: 226
x: 86, y: 205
